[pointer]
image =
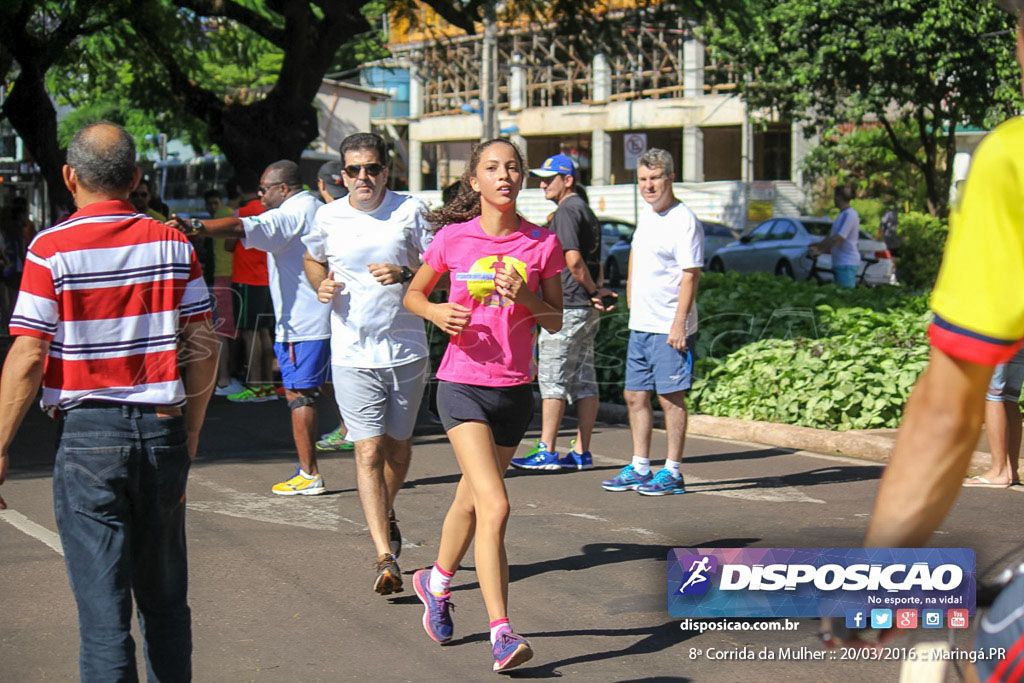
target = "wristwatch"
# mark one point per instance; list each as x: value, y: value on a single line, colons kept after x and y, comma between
x: 407, y: 273
x: 195, y: 225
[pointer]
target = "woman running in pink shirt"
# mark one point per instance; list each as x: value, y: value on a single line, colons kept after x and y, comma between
x: 504, y: 281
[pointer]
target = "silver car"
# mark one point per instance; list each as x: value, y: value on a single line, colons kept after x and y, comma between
x: 779, y: 245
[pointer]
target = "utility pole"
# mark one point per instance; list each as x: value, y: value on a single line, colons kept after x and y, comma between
x: 489, y: 74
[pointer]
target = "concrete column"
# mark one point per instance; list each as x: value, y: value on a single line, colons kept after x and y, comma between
x: 415, y: 165
x: 693, y: 68
x: 517, y: 84
x: 747, y: 147
x: 415, y: 90
x: 693, y: 155
x: 602, y: 75
x: 799, y: 148
x: 600, y: 158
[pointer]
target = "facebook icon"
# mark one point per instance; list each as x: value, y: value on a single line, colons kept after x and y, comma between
x: 856, y: 618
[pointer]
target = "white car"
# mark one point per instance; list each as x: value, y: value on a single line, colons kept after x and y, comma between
x: 779, y: 245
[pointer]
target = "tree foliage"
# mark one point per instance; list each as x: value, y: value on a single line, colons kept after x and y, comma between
x: 918, y: 68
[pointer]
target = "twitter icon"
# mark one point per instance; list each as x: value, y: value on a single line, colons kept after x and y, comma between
x: 881, y: 618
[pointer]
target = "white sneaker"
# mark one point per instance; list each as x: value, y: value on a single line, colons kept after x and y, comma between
x: 233, y: 388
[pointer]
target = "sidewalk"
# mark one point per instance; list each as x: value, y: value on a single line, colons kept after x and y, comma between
x: 869, y: 444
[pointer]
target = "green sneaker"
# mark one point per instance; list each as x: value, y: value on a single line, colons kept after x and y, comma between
x: 254, y: 395
x: 334, y: 441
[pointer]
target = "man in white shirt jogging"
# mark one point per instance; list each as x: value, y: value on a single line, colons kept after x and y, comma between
x: 360, y: 257
x: 664, y: 269
x: 303, y: 330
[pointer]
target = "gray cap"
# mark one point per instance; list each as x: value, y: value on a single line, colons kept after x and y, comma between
x: 330, y: 173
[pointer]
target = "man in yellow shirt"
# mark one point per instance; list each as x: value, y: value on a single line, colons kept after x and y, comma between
x: 979, y: 322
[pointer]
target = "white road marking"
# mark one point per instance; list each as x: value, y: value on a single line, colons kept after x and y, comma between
x: 738, y: 489
x: 30, y: 528
x: 583, y: 515
x: 315, y: 512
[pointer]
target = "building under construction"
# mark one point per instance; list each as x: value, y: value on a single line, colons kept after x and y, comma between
x: 554, y: 92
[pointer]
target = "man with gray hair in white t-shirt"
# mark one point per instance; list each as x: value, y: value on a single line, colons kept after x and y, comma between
x: 664, y: 268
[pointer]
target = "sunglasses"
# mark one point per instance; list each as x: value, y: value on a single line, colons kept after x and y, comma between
x: 352, y: 171
x: 266, y: 188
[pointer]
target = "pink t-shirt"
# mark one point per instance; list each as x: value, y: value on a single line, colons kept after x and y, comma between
x: 496, y: 348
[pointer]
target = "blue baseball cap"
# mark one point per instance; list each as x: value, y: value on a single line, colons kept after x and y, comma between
x: 556, y: 165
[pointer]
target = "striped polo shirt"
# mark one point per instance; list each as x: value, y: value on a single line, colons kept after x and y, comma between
x: 110, y: 289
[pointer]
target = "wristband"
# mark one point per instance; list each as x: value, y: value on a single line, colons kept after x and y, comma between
x: 592, y: 295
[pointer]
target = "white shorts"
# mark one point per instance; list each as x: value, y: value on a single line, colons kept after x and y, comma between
x: 378, y: 401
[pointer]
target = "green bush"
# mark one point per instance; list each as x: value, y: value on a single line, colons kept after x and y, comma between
x: 870, y: 212
x: 920, y: 254
x: 769, y: 348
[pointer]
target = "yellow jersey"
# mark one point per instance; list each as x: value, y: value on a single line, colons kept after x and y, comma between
x: 978, y: 298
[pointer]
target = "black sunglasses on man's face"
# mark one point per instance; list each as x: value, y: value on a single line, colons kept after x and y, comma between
x: 352, y: 170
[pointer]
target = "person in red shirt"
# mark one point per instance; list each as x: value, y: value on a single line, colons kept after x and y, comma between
x: 111, y: 303
x: 253, y: 308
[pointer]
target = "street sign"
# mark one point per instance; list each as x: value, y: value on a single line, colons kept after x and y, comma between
x: 635, y: 145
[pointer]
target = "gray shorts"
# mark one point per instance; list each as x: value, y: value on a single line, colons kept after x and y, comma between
x: 565, y: 361
x: 378, y: 401
x: 1007, y: 379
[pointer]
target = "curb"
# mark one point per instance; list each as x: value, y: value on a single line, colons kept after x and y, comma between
x: 852, y: 444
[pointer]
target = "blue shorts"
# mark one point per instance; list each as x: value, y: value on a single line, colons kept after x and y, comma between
x: 651, y: 364
x: 304, y: 364
x: 845, y: 276
x: 1006, y: 380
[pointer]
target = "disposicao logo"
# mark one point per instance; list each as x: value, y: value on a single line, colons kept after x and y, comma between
x: 696, y: 580
x: 811, y: 582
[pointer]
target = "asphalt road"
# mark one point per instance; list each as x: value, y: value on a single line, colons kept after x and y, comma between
x: 281, y: 588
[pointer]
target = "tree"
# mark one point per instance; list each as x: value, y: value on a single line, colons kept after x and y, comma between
x: 908, y: 65
x: 862, y: 156
x: 239, y: 74
x: 34, y: 35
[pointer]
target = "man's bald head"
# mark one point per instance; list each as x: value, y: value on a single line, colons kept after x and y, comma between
x: 103, y: 158
x: 284, y: 171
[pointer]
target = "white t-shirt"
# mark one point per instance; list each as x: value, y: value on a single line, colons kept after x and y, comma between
x: 279, y: 232
x: 664, y: 244
x: 847, y: 226
x: 370, y: 328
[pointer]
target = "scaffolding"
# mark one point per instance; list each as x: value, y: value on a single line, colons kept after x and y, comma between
x: 556, y: 69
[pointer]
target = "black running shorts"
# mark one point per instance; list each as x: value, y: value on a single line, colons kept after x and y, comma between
x: 508, y: 410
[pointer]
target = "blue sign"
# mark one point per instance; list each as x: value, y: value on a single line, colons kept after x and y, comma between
x: 820, y: 582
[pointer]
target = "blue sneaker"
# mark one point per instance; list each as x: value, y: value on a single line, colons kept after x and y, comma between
x: 576, y: 461
x: 626, y: 480
x: 540, y: 460
x: 663, y: 484
x: 510, y: 650
x: 437, y: 618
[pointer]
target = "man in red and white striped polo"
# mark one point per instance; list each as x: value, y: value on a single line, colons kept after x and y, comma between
x: 111, y: 303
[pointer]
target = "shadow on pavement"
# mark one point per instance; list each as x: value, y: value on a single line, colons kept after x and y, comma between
x: 824, y: 475
x: 656, y: 639
x: 756, y: 454
x: 598, y: 554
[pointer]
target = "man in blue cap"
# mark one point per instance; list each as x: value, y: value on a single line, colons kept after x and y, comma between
x: 565, y: 367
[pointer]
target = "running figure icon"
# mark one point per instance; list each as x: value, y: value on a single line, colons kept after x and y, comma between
x: 697, y: 570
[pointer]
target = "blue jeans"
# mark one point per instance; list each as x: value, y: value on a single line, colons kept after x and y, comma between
x: 846, y: 276
x: 119, y: 496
